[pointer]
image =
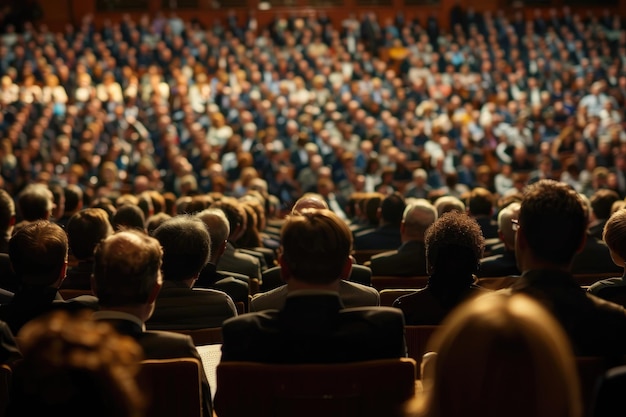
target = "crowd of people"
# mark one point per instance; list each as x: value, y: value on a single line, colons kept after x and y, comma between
x: 151, y: 163
x: 310, y: 104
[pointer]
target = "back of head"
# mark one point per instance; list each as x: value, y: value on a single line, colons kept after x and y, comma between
x: 35, y: 202
x: 218, y: 227
x: 417, y: 218
x: 309, y: 200
x: 85, y: 229
x: 155, y: 221
x: 501, y: 355
x: 448, y: 203
x: 186, y: 246
x: 38, y: 253
x: 234, y: 213
x: 129, y: 216
x: 7, y: 212
x: 505, y: 227
x: 315, y: 246
x: 480, y: 202
x: 553, y: 220
x: 73, y: 198
x: 71, y: 364
x: 126, y: 268
x: 615, y: 236
x: 392, y: 208
x: 602, y: 201
x: 372, y: 204
x: 454, y: 247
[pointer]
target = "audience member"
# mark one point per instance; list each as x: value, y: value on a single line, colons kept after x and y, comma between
x: 127, y: 281
x: 71, y: 364
x: 35, y: 203
x: 410, y: 258
x: 552, y: 228
x: 481, y: 345
x: 614, y: 235
x: 7, y: 220
x: 38, y: 253
x: 233, y: 284
x: 448, y: 203
x: 480, y: 205
x: 387, y: 234
x: 313, y: 326
x: 601, y: 202
x: 186, y: 249
x: 85, y: 229
x: 454, y: 247
x: 128, y: 216
x: 504, y: 264
x: 73, y: 196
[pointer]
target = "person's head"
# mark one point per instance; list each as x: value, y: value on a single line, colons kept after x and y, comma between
x: 552, y: 225
x: 72, y: 363
x: 505, y: 226
x: 500, y: 355
x: 448, y: 203
x: 309, y: 200
x: 315, y: 247
x: 186, y: 247
x: 480, y: 202
x: 416, y: 219
x: 614, y: 236
x: 73, y: 199
x: 219, y: 229
x: 155, y: 221
x: 127, y: 271
x: 235, y: 214
x: 129, y: 216
x: 392, y: 208
x: 601, y: 203
x: 85, y: 229
x: 35, y: 202
x: 7, y: 213
x: 38, y: 254
x: 454, y: 236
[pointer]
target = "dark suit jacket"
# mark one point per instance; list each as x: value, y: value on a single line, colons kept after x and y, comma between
x: 383, y: 237
x: 501, y: 265
x: 180, y: 307
x: 28, y: 303
x: 595, y: 327
x: 408, y: 260
x: 609, y: 394
x: 233, y: 260
x: 238, y: 289
x: 79, y: 276
x: 488, y: 226
x: 8, y: 280
x: 162, y: 345
x: 314, y: 328
x: 423, y: 307
x: 595, y: 257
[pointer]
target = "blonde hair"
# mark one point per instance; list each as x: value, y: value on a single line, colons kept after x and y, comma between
x: 501, y: 355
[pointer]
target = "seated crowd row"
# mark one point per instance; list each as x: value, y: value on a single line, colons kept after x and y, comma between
x: 145, y: 283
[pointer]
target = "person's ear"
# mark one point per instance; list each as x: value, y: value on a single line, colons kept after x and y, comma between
x: 285, y: 271
x: 154, y: 292
x: 347, y: 269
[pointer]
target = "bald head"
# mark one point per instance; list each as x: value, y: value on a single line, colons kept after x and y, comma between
x: 309, y: 200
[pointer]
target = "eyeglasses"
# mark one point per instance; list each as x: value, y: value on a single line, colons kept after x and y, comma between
x: 515, y: 225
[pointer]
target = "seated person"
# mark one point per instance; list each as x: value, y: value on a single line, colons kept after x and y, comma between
x: 503, y: 264
x: 186, y: 248
x: 313, y: 326
x: 410, y: 258
x: 454, y: 246
x: 615, y: 238
x: 387, y: 235
x: 127, y: 281
x: 85, y: 229
x: 72, y: 364
x: 38, y: 252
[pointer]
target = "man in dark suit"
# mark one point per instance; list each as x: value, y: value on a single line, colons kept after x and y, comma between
x: 234, y: 284
x: 313, y: 326
x: 186, y: 247
x: 480, y: 207
x: 601, y: 202
x: 552, y: 228
x: 38, y: 254
x: 410, y: 258
x: 503, y: 264
x: 387, y: 234
x: 127, y: 280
